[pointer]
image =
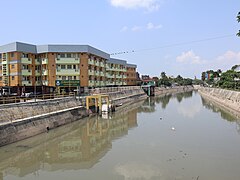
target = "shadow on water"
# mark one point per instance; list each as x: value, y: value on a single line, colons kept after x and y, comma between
x: 149, y: 104
x: 79, y: 145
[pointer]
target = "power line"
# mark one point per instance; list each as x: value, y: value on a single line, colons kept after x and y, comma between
x: 173, y: 45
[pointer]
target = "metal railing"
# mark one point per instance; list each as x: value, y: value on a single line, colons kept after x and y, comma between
x: 32, y: 98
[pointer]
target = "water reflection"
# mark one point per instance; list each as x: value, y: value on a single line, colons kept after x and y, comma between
x: 76, y: 146
x: 149, y: 104
x: 225, y: 113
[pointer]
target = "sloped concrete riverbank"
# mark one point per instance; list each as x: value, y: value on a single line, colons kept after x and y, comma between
x: 226, y: 98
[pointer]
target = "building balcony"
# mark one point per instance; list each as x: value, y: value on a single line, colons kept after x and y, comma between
x: 45, y: 61
x: 37, y: 73
x: 119, y: 83
x: 91, y: 72
x: 26, y: 72
x: 97, y: 63
x: 38, y: 83
x: 26, y: 60
x: 102, y: 83
x: 91, y: 83
x: 97, y: 73
x: 67, y: 60
x: 101, y: 73
x: 123, y: 70
x: 37, y: 62
x: 102, y: 64
x: 70, y: 72
x: 90, y: 61
x: 45, y: 83
x: 119, y: 76
x: 44, y: 72
x: 110, y: 76
x: 26, y: 83
x: 110, y: 83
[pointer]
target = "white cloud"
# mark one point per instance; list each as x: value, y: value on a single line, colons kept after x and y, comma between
x: 223, y: 62
x: 124, y: 28
x: 226, y: 61
x: 136, y: 28
x: 150, y: 5
x: 189, y: 57
x: 149, y: 26
x: 152, y: 26
x: 230, y: 56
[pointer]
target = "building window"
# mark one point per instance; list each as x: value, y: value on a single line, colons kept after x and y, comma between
x: 13, y: 66
x: 62, y: 55
x: 12, y: 54
x: 74, y: 66
x: 13, y: 77
x: 69, y: 66
x: 0, y: 78
x: 69, y: 55
x: 64, y: 77
x: 75, y: 77
x: 0, y: 56
x: 69, y: 77
x: 63, y: 66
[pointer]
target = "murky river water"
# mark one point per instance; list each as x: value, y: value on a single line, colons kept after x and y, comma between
x: 165, y: 138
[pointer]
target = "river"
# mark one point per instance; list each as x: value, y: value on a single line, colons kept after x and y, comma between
x: 172, y: 137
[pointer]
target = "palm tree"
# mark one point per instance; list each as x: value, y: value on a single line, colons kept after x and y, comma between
x: 238, y: 20
x: 238, y: 34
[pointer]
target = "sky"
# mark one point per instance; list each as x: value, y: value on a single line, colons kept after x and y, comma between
x: 183, y: 37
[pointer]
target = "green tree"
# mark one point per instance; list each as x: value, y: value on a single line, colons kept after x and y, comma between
x: 234, y: 67
x: 163, y: 75
x: 203, y: 76
x: 228, y: 80
x: 164, y: 80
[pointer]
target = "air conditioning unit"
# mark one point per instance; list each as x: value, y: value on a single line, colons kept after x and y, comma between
x: 29, y: 59
x: 58, y: 59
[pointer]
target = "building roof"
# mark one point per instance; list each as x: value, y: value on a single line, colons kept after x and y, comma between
x: 35, y: 49
x: 132, y: 65
x: 117, y: 61
x: 18, y: 46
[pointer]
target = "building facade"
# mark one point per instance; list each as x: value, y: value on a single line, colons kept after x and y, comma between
x: 68, y: 66
x: 116, y: 72
x: 131, y: 75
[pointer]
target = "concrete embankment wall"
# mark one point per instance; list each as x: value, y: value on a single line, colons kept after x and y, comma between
x: 225, y: 98
x: 11, y: 112
x: 28, y: 127
x: 160, y: 91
